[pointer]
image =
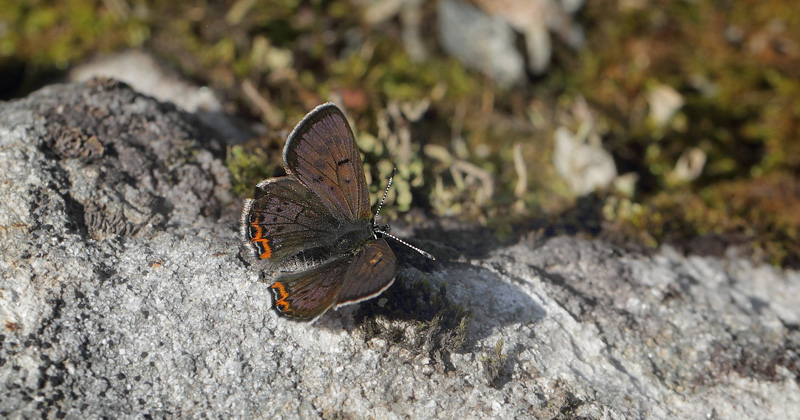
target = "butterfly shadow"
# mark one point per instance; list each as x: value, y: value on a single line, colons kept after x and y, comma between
x: 449, y: 244
x: 449, y: 239
x: 438, y: 308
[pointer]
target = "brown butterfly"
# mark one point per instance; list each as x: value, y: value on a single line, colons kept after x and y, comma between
x: 320, y: 209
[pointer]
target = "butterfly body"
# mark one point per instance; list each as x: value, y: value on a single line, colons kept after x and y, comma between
x: 320, y: 213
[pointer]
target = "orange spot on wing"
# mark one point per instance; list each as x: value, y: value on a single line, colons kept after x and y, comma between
x: 281, y: 303
x: 278, y: 286
x: 376, y: 258
x: 263, y: 241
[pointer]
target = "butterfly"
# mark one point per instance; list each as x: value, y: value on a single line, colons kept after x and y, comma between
x: 320, y: 211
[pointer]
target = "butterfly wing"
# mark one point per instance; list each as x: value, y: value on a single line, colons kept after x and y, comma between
x: 284, y: 219
x: 370, y: 273
x: 321, y: 152
x: 305, y: 296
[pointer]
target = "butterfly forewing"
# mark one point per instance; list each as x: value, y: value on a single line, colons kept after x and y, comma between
x: 322, y: 154
x: 284, y: 219
x: 371, y: 272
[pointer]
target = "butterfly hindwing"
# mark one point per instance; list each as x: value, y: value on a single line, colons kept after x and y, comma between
x: 371, y: 272
x: 321, y: 152
x: 306, y: 295
x: 284, y: 219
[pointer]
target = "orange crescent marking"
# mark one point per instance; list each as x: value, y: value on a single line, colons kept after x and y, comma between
x: 281, y: 290
x: 263, y: 241
x: 282, y: 304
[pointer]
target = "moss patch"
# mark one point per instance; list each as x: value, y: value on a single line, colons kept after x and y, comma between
x: 735, y: 67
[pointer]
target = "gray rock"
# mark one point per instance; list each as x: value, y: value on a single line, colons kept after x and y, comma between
x: 147, y: 75
x: 124, y: 292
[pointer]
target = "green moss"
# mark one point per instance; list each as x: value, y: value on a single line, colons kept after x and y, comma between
x: 249, y: 167
x: 741, y: 105
x: 494, y: 364
x: 741, y: 110
x: 49, y: 36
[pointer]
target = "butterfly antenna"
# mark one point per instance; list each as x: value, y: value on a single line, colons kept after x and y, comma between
x: 385, y: 193
x: 384, y: 230
x: 424, y: 253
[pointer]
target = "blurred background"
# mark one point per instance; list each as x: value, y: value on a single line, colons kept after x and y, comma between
x: 641, y: 122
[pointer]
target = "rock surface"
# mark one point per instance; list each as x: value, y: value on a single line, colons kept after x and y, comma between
x: 144, y: 73
x: 124, y: 292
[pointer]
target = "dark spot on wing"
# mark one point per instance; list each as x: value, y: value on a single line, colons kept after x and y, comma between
x: 343, y: 161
